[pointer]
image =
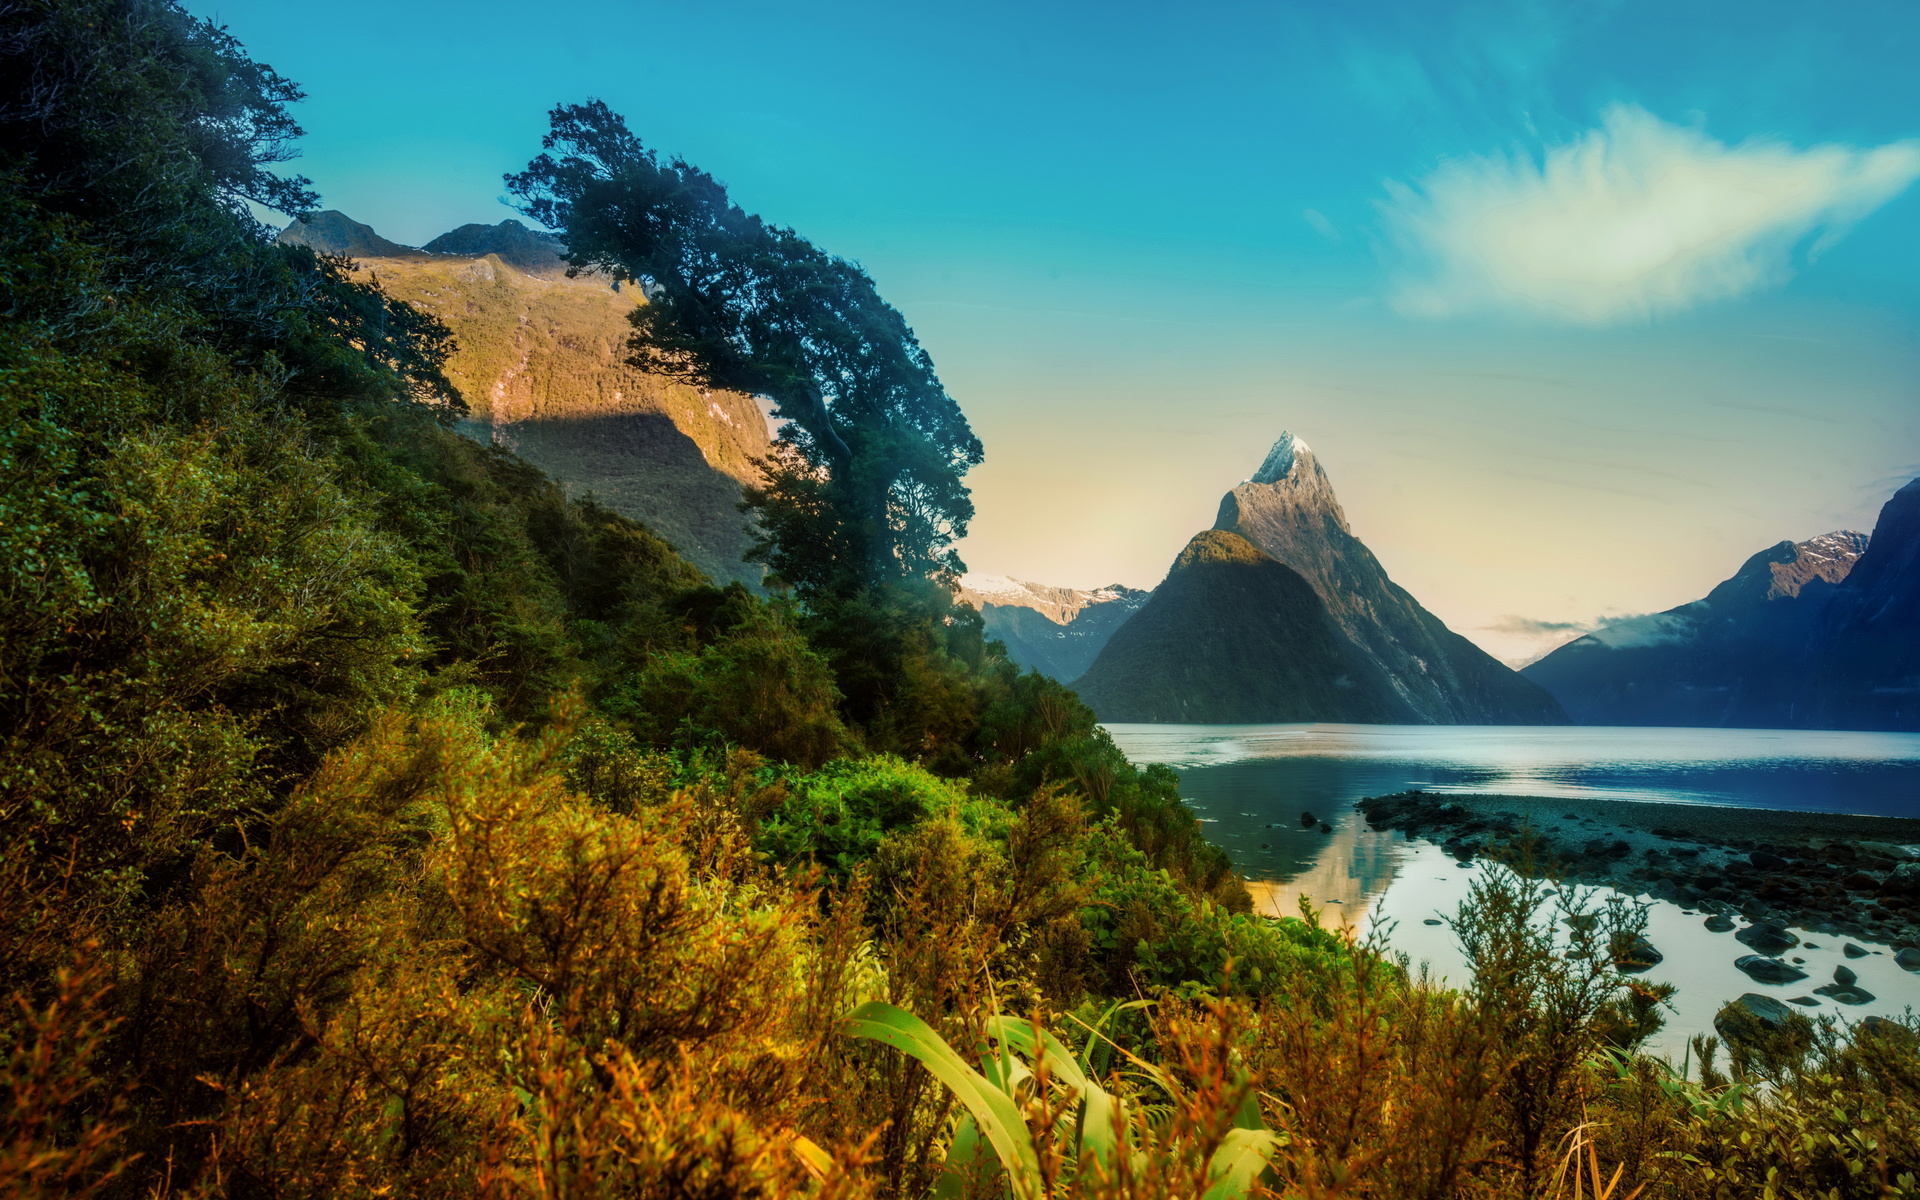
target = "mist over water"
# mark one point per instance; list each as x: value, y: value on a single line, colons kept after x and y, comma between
x: 1251, y: 785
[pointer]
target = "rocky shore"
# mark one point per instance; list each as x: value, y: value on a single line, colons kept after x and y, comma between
x: 1841, y: 875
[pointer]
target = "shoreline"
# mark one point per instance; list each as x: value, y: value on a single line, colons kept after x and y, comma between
x: 1838, y: 874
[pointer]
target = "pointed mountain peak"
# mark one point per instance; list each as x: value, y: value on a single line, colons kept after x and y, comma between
x: 1280, y: 460
x: 331, y: 231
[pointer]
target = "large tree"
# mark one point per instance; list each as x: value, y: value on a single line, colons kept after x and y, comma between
x: 866, y: 489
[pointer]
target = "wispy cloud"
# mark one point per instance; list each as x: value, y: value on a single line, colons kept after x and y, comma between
x: 1321, y: 225
x: 1617, y: 632
x: 1520, y: 626
x: 1635, y: 218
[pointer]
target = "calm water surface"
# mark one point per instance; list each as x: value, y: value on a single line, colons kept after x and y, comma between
x: 1251, y: 783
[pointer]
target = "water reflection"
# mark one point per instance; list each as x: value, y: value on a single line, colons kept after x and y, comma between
x: 1345, y: 876
x: 1254, y: 784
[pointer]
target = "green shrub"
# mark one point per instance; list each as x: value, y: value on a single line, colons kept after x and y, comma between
x: 838, y: 816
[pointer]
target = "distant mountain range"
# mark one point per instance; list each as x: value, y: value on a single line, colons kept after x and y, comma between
x: 541, y: 360
x: 1820, y: 634
x: 1057, y: 631
x: 1279, y: 613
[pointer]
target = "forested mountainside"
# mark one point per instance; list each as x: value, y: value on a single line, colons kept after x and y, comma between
x: 1057, y: 631
x: 541, y: 362
x: 1234, y: 636
x: 1820, y: 634
x: 378, y: 820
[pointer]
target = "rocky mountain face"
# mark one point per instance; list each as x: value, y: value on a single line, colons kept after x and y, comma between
x: 1868, y: 674
x: 1235, y: 637
x: 541, y: 362
x: 1288, y: 510
x: 332, y: 232
x: 1821, y: 634
x: 1057, y: 631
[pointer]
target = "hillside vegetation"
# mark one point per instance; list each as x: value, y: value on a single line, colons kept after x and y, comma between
x: 376, y: 820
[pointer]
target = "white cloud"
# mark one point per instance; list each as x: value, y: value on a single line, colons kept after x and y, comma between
x: 1635, y: 218
x: 1321, y: 225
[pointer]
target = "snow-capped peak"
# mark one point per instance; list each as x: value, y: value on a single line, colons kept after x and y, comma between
x: 993, y: 585
x: 1280, y: 459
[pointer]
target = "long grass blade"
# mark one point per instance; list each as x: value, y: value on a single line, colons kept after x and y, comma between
x: 1100, y: 1110
x: 993, y: 1109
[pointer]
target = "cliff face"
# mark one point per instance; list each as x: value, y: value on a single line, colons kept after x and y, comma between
x: 1821, y: 634
x: 1869, y: 666
x: 1057, y: 631
x: 541, y: 361
x: 1288, y: 509
x: 1234, y: 637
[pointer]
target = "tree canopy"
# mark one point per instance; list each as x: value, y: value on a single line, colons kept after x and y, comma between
x: 869, y: 489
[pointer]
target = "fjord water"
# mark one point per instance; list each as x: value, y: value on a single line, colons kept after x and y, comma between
x: 1251, y: 783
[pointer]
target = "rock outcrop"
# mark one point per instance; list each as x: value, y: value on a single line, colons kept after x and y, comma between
x: 541, y: 360
x: 1057, y: 631
x: 333, y: 232
x: 1288, y: 509
x: 1234, y: 636
x: 1820, y: 634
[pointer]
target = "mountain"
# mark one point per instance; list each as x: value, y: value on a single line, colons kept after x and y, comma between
x: 1288, y: 509
x: 528, y: 250
x: 331, y: 232
x: 541, y: 360
x: 1234, y: 637
x: 1868, y: 674
x: 1820, y: 634
x: 1056, y: 631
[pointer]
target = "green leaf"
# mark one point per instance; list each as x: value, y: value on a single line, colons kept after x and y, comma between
x: 992, y: 1109
x: 1238, y: 1162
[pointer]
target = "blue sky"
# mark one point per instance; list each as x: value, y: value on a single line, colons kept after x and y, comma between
x: 1579, y: 303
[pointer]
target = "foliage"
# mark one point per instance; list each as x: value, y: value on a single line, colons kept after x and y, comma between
x: 869, y: 489
x: 376, y: 820
x: 838, y: 816
x: 1089, y: 1137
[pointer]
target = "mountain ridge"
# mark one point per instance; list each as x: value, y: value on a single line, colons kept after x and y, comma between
x: 1057, y: 631
x: 1820, y: 634
x: 541, y: 359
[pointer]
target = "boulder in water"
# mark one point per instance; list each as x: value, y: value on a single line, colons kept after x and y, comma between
x: 1768, y: 970
x: 1767, y: 938
x: 1638, y: 955
x: 1753, y: 1016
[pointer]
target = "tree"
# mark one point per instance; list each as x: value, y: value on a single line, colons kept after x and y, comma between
x: 866, y: 489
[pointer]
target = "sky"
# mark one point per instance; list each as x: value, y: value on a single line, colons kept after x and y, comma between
x: 1578, y: 304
